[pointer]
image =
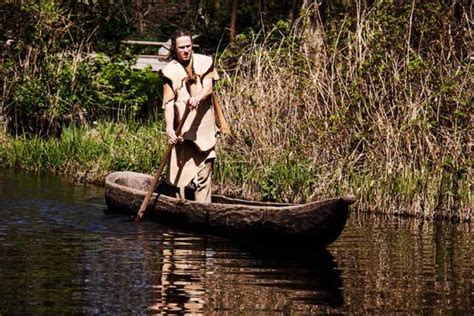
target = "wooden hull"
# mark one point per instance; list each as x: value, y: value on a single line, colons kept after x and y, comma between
x: 318, y: 223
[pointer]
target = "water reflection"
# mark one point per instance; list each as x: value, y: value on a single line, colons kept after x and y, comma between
x: 406, y: 265
x: 60, y: 253
x: 199, y: 274
x: 179, y: 272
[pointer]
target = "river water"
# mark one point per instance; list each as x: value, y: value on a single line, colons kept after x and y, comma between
x: 60, y: 252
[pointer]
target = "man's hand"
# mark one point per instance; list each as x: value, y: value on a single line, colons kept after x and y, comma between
x: 193, y: 102
x: 205, y: 92
x: 172, y: 137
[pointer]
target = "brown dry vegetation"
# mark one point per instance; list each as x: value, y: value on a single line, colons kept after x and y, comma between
x: 339, y: 115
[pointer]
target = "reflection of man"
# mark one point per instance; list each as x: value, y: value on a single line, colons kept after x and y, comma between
x: 188, y: 81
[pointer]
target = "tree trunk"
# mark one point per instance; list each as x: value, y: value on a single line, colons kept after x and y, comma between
x: 141, y: 22
x: 292, y: 11
x: 233, y: 21
x: 263, y: 6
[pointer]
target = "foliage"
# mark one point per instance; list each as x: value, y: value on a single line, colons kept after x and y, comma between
x: 52, y: 79
x: 210, y: 19
x: 79, y: 91
x: 125, y: 91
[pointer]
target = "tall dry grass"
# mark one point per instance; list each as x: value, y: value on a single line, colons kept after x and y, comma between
x: 318, y: 112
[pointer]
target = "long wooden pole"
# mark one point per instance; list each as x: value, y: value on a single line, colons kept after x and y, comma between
x: 144, y: 205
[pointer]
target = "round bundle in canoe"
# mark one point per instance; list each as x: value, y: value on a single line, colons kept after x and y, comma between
x: 318, y: 223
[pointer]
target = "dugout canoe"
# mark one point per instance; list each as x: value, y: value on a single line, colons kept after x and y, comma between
x: 318, y: 223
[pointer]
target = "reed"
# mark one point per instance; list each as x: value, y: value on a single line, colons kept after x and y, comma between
x: 318, y: 114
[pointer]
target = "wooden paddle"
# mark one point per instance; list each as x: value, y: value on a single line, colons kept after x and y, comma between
x: 141, y: 212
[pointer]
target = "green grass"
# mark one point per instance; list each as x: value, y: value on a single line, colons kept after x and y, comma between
x: 88, y: 153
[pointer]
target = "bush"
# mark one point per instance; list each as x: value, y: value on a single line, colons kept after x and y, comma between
x: 48, y: 78
x: 74, y: 90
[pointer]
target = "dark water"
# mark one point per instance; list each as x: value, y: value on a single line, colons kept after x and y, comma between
x: 60, y: 253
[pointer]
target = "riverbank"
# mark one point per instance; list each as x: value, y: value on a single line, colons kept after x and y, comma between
x: 88, y: 154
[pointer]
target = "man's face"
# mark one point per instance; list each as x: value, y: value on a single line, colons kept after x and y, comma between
x: 184, y: 48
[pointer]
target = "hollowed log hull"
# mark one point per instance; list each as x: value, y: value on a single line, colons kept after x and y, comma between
x: 318, y: 223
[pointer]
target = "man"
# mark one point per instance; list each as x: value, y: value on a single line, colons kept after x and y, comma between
x: 188, y: 81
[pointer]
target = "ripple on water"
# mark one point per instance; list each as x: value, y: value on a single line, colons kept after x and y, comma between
x: 59, y: 253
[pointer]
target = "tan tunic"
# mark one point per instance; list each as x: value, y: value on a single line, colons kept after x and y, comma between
x: 188, y: 160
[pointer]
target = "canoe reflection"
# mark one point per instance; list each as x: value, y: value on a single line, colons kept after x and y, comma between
x: 203, y: 274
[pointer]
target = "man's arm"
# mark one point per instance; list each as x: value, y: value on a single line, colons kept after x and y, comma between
x: 169, y: 122
x: 203, y: 94
x: 168, y: 99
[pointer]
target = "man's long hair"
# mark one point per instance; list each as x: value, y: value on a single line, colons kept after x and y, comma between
x: 174, y: 37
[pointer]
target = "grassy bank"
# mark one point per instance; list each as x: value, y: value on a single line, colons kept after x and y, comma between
x: 87, y: 154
